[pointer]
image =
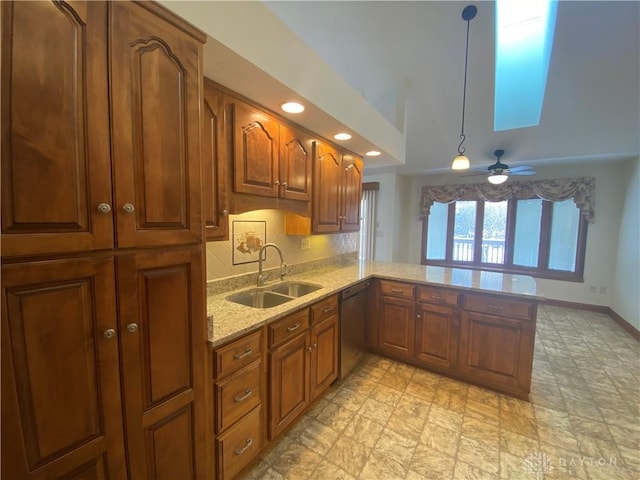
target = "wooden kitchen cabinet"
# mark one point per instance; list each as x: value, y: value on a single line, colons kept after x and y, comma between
x: 396, y: 326
x: 289, y: 381
x: 111, y: 160
x: 295, y: 167
x: 337, y: 192
x: 497, y: 348
x: 215, y: 164
x: 437, y: 335
x: 61, y: 407
x: 324, y: 345
x: 239, y: 407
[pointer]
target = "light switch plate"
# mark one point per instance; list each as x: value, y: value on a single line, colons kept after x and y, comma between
x: 305, y: 243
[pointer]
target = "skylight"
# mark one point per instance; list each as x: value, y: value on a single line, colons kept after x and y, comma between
x: 524, y: 39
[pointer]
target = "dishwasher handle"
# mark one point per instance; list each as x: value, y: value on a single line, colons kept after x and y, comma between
x: 355, y: 290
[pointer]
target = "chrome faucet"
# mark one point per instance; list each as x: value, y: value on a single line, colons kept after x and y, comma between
x: 282, y: 264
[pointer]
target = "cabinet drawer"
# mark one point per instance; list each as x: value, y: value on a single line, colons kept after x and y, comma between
x: 499, y: 306
x: 439, y: 296
x: 237, y: 354
x: 396, y: 289
x: 324, y: 309
x: 288, y: 326
x: 240, y: 444
x: 237, y: 395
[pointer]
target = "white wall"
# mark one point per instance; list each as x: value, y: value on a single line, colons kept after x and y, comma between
x: 625, y: 292
x: 602, y: 236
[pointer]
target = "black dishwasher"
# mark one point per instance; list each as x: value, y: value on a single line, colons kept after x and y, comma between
x: 353, y: 309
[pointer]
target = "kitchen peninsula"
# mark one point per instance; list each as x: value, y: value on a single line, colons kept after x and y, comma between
x: 270, y: 364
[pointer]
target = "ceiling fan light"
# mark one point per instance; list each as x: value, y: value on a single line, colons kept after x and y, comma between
x: 461, y: 162
x: 497, y: 178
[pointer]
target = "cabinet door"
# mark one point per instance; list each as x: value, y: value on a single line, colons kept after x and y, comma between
x: 351, y: 194
x: 326, y: 194
x: 295, y: 164
x: 324, y: 354
x: 255, y: 152
x: 289, y: 382
x: 163, y: 345
x: 156, y: 88
x: 396, y: 323
x: 437, y: 335
x: 55, y: 128
x: 61, y: 411
x: 496, y: 350
x: 215, y: 166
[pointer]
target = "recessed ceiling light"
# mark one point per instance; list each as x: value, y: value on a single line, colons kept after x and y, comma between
x: 342, y: 136
x: 292, y: 107
x: 373, y: 153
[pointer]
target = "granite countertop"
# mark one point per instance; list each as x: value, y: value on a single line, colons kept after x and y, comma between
x: 231, y: 320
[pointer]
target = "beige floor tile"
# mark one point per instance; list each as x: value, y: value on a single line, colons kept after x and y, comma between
x: 423, y: 377
x: 481, y: 431
x: 296, y: 461
x: 425, y: 392
x: 485, y: 412
x: 520, y: 424
x: 590, y: 427
x: 364, y: 430
x: 349, y: 399
x: 559, y: 437
x: 335, y: 417
x: 327, y: 470
x: 440, y: 439
x: 432, y: 464
x: 395, y: 381
x: 385, y: 395
x: 375, y: 410
x: 380, y: 465
x: 517, y: 445
x: 349, y: 455
x: 484, y: 455
x: 450, y: 400
x: 396, y: 446
x: 465, y: 471
x: 406, y: 425
x: 318, y: 437
x: 445, y: 418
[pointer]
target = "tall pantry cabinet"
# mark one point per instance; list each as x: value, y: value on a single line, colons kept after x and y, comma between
x: 103, y: 332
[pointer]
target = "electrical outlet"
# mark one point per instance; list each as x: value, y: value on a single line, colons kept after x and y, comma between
x: 592, y: 289
x: 305, y: 243
x: 603, y: 290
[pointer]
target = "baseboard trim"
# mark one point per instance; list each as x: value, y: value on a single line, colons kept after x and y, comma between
x: 626, y: 326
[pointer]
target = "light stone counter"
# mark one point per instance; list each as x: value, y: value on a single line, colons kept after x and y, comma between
x: 231, y: 320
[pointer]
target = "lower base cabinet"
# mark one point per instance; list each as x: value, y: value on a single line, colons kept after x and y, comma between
x: 75, y: 369
x: 240, y: 444
x: 481, y: 338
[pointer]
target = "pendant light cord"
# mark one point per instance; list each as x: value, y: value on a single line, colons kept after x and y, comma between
x: 461, y: 149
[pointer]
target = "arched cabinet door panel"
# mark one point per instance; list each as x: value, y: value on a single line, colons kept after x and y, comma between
x: 56, y: 178
x: 326, y: 195
x: 156, y: 83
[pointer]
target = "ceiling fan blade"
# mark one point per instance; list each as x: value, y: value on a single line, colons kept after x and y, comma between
x: 520, y: 168
x: 523, y: 172
x: 479, y: 174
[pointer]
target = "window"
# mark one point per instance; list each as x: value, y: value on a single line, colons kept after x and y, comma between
x: 368, y: 224
x: 531, y: 236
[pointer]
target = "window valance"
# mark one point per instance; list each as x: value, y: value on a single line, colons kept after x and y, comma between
x: 582, y: 190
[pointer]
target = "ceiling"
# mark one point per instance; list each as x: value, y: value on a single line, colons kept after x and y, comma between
x: 392, y: 73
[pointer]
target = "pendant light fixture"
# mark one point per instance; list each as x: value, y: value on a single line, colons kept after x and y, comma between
x: 461, y: 162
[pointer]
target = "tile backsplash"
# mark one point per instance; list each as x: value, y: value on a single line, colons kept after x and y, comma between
x: 220, y: 254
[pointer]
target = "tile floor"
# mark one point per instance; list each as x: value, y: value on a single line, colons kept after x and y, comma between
x: 392, y: 421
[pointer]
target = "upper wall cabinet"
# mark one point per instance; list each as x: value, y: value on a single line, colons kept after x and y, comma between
x: 216, y: 209
x: 351, y: 194
x: 55, y: 115
x: 269, y: 158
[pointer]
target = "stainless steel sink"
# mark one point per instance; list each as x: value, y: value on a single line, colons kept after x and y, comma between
x: 295, y: 289
x: 259, y: 298
x: 273, y: 295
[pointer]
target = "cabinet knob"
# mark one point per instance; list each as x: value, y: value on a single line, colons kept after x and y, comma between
x: 132, y: 327
x: 284, y: 184
x: 309, y: 349
x: 128, y: 208
x: 109, y: 333
x: 104, y: 208
x: 418, y: 316
x: 225, y: 212
x: 276, y: 183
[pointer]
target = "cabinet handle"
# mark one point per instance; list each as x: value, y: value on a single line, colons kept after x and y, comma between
x: 437, y: 297
x: 246, y: 353
x: 246, y: 395
x: 104, y: 208
x: 240, y: 451
x: 109, y: 333
x: 396, y: 290
x: 293, y: 328
x: 327, y: 309
x: 494, y: 307
x: 284, y: 184
x: 277, y: 183
x: 128, y: 208
x: 132, y: 327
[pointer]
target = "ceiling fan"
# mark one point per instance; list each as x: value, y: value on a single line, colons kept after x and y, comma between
x: 499, y: 172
